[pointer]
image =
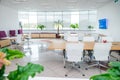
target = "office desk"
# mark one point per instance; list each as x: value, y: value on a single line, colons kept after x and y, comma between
x: 87, y: 46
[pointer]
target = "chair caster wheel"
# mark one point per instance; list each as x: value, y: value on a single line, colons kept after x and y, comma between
x: 83, y: 75
x: 64, y: 66
x: 86, y: 68
x: 78, y: 66
x: 66, y: 75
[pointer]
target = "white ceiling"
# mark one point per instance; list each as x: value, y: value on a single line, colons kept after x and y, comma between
x: 54, y: 5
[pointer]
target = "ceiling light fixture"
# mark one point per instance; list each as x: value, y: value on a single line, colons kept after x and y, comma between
x: 20, y: 0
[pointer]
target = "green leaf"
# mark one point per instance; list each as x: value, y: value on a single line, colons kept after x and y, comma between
x: 116, y: 1
x: 114, y: 64
x: 113, y: 73
x: 12, y: 54
x: 105, y: 76
x: 40, y: 26
x: 2, y: 70
x: 74, y: 26
x: 23, y: 72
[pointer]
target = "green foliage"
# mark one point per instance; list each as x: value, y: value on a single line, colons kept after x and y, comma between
x: 116, y: 1
x: 40, y: 26
x: 90, y: 27
x: 113, y: 73
x: 58, y: 23
x: 74, y: 26
x: 23, y: 72
x: 12, y: 54
x: 2, y: 70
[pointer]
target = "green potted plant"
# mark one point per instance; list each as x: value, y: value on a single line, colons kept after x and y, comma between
x: 40, y: 26
x: 74, y: 26
x: 113, y: 73
x: 58, y: 24
x: 22, y: 72
x: 90, y: 27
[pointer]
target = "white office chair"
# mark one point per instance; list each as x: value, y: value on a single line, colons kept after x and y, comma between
x: 107, y: 39
x: 88, y: 39
x: 80, y: 36
x: 96, y: 36
x: 72, y: 39
x: 74, y: 53
x: 66, y: 35
x: 101, y: 53
x: 88, y: 53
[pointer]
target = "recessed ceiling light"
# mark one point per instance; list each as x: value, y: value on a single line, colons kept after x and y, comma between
x: 20, y: 0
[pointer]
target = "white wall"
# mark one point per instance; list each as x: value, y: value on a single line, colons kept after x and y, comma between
x: 111, y: 11
x: 8, y: 19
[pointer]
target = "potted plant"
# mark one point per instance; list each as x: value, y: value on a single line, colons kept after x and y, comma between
x: 74, y: 26
x: 58, y: 24
x: 113, y: 73
x: 40, y: 26
x: 90, y: 27
x: 22, y: 72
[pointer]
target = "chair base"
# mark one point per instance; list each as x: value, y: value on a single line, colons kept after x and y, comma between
x: 97, y: 64
x: 75, y: 66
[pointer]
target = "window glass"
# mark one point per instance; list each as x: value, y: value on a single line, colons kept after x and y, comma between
x: 83, y: 18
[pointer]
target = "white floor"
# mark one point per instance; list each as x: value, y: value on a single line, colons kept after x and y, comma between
x: 51, y: 60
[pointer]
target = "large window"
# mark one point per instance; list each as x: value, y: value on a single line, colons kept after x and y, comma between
x: 30, y: 20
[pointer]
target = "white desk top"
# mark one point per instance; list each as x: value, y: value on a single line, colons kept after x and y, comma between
x: 55, y: 78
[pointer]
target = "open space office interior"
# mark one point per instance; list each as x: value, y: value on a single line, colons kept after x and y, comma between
x: 59, y: 39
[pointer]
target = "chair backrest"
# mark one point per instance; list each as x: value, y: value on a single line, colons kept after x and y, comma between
x: 66, y: 35
x: 74, y: 51
x: 95, y: 35
x: 88, y: 39
x: 101, y: 51
x: 73, y: 38
x: 80, y: 36
x: 107, y: 39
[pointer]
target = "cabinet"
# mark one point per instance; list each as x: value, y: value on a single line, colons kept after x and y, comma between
x: 4, y: 42
x: 43, y: 35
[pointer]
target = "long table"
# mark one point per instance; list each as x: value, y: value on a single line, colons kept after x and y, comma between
x: 87, y: 46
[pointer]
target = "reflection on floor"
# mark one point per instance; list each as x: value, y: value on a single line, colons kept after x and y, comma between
x: 51, y: 60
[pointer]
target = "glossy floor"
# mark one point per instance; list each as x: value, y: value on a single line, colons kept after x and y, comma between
x: 52, y: 60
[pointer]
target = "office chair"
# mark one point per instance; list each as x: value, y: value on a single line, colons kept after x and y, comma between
x: 96, y: 36
x: 88, y: 39
x: 66, y: 34
x: 106, y: 39
x: 28, y: 42
x: 80, y: 36
x: 74, y: 53
x: 88, y: 53
x: 101, y: 53
x: 72, y: 39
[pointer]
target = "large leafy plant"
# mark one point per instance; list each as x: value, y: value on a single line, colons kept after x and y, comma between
x: 113, y: 73
x: 6, y: 55
x: 22, y: 72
